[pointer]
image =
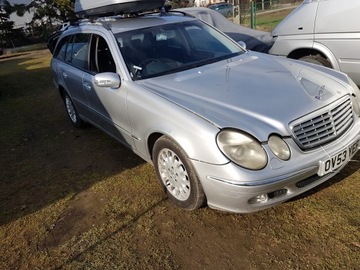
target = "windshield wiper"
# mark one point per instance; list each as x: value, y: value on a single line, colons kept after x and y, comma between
x: 192, y: 65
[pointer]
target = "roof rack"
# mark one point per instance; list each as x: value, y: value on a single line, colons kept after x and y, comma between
x: 104, y: 8
x: 166, y: 10
x: 73, y: 22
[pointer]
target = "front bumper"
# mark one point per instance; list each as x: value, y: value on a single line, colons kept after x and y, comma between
x: 231, y: 188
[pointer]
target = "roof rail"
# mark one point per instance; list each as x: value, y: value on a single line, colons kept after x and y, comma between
x: 164, y: 11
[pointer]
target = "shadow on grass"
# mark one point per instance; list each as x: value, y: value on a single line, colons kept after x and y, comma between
x: 8, y: 56
x: 43, y: 158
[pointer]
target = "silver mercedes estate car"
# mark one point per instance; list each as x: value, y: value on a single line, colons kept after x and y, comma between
x: 236, y: 130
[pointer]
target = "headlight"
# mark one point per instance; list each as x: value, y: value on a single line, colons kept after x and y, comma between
x: 279, y: 147
x: 355, y: 97
x: 242, y: 149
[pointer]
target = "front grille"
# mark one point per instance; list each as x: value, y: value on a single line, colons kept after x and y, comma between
x: 323, y: 126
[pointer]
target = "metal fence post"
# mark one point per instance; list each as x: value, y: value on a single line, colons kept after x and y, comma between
x: 253, y: 15
x: 239, y: 14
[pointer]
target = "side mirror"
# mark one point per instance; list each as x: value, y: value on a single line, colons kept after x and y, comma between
x: 108, y: 79
x: 242, y: 44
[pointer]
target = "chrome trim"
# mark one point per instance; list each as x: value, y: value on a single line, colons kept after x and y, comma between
x: 321, y: 91
x: 323, y: 125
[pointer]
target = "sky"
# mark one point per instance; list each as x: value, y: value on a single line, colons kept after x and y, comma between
x: 20, y: 21
x: 19, y: 1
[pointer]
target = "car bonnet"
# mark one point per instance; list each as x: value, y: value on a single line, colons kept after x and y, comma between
x: 254, y: 92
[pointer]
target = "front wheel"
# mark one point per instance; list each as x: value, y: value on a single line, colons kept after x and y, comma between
x: 177, y: 175
x: 72, y: 112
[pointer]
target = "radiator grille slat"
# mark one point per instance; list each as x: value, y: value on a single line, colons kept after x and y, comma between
x: 330, y: 123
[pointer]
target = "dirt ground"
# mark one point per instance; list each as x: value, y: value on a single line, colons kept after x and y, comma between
x: 76, y: 199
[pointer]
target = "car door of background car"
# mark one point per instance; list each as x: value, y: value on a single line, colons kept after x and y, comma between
x: 71, y: 54
x: 338, y: 28
x: 107, y: 106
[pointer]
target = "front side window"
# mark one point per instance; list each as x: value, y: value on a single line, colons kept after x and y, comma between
x: 101, y: 59
x: 170, y: 48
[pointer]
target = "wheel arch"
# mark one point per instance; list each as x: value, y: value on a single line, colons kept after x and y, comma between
x: 153, y: 137
x: 177, y: 174
x: 316, y: 49
x: 328, y: 53
x: 62, y: 91
x: 190, y: 142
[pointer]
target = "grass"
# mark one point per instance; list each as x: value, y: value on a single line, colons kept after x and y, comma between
x: 76, y: 199
x: 267, y: 21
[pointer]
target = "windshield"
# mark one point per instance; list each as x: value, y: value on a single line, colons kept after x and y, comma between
x: 170, y: 48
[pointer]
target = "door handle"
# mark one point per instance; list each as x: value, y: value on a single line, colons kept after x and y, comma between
x: 87, y: 86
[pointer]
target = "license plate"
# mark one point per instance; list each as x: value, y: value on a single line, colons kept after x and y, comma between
x: 339, y: 159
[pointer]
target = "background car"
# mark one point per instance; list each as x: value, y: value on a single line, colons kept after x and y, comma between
x: 255, y: 40
x: 224, y: 9
x: 323, y: 32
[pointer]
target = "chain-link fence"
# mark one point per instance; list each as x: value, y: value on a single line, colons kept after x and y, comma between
x: 246, y: 12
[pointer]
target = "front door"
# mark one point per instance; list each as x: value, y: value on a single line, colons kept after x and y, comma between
x: 107, y: 106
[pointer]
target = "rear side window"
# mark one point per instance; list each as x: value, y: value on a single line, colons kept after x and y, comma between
x: 78, y: 51
x: 74, y: 50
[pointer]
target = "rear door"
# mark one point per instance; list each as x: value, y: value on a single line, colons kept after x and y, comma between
x: 71, y: 63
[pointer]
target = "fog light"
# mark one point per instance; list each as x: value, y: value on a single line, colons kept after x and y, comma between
x: 259, y: 199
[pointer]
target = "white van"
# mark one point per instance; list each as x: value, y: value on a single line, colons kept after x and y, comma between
x: 325, y: 32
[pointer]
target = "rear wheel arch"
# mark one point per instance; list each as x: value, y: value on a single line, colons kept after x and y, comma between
x: 62, y: 91
x: 71, y: 109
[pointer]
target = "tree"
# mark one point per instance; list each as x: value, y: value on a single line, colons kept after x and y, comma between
x: 179, y: 3
x: 6, y: 26
x: 48, y: 15
x: 54, y: 9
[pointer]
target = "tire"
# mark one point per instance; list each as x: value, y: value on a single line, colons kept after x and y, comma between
x: 177, y: 175
x: 317, y: 60
x: 72, y: 112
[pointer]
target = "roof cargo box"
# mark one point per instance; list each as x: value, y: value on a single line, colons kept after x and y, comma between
x: 87, y: 8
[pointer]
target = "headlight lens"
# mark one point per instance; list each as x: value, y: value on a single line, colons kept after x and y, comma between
x: 243, y: 149
x: 279, y: 147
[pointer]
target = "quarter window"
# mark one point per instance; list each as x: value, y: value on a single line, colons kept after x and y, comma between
x: 60, y: 52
